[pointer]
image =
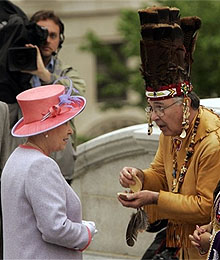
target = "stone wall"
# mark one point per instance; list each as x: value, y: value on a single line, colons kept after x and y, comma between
x: 96, y: 182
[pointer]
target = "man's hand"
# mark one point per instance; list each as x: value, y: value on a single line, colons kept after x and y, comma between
x: 41, y: 71
x: 126, y: 176
x: 138, y: 199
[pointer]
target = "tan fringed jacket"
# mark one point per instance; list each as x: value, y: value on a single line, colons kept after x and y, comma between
x: 193, y: 204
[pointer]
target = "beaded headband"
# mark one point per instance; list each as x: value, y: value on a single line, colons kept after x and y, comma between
x: 173, y: 90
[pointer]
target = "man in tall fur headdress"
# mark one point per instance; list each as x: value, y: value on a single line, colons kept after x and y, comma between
x: 179, y: 183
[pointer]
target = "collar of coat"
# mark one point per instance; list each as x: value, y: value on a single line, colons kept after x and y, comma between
x: 209, y: 122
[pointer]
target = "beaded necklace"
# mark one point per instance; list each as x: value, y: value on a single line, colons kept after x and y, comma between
x: 177, y: 183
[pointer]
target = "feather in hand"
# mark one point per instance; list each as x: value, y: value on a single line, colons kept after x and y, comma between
x: 137, y: 223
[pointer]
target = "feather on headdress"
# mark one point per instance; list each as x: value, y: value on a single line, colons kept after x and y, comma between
x: 166, y: 49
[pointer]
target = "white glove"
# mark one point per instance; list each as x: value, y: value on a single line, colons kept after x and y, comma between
x: 91, y: 226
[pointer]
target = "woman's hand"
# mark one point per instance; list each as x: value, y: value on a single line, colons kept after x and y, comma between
x: 204, y: 241
x: 200, y: 238
x: 195, y: 237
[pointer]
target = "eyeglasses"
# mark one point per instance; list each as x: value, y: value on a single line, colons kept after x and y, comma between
x: 158, y: 110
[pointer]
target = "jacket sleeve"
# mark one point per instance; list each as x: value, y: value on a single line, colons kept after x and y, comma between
x: 45, y: 189
x: 5, y: 134
x: 65, y: 70
x: 193, y: 203
x: 194, y: 207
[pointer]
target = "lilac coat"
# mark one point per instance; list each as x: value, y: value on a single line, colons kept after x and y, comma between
x: 41, y: 213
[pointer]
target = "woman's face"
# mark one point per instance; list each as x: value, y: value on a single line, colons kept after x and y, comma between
x: 58, y: 137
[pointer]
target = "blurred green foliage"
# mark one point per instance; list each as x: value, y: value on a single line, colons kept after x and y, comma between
x: 206, y: 67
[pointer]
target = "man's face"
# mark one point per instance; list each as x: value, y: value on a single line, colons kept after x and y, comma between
x: 170, y: 120
x: 53, y: 38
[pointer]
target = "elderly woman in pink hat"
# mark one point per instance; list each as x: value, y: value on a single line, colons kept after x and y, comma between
x: 42, y: 217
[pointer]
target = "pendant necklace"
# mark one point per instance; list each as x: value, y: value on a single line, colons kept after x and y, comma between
x: 30, y: 144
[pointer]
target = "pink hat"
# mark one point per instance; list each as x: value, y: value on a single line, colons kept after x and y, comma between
x: 45, y: 108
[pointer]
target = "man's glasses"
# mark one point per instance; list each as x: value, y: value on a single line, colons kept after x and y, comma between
x: 158, y: 110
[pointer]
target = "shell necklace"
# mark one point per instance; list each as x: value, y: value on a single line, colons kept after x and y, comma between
x: 177, y: 183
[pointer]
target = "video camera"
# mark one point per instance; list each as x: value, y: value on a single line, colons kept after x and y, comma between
x: 25, y: 58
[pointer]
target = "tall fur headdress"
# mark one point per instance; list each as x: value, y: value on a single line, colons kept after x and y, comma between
x: 166, y: 50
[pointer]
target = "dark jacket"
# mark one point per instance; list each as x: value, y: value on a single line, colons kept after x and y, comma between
x: 15, y: 31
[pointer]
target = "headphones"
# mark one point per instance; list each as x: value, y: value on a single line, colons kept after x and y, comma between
x: 62, y: 37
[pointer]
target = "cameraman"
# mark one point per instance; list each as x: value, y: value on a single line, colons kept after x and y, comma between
x: 50, y: 68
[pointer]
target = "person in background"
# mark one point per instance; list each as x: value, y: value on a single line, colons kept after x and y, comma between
x: 42, y: 217
x: 49, y: 69
x: 5, y: 133
x: 4, y: 150
x: 206, y: 238
x: 179, y: 183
